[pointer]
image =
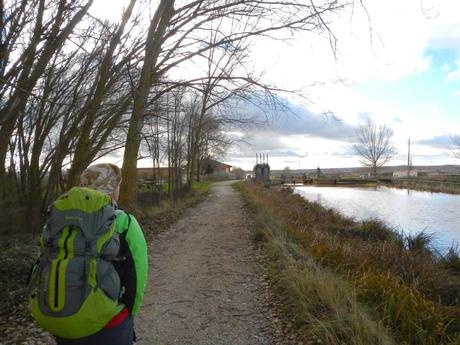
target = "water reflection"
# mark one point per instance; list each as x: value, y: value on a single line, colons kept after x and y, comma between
x: 408, y: 210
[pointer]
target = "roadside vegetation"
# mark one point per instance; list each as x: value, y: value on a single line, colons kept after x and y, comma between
x: 19, y: 250
x: 348, y: 282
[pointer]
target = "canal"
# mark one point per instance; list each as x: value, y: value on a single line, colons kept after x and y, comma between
x: 402, y: 209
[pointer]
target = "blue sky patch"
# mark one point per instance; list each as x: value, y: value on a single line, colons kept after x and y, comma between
x: 441, y: 58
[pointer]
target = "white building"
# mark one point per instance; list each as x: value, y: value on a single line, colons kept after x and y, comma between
x: 403, y: 173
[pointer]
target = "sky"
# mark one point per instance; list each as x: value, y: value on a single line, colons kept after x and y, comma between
x: 399, y: 66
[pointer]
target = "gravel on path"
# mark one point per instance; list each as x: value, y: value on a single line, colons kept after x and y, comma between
x: 206, y: 285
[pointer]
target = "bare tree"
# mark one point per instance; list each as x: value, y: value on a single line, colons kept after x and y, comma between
x: 26, y: 55
x: 74, y: 109
x: 148, y: 77
x: 176, y: 36
x: 107, y: 75
x: 73, y: 87
x: 373, y: 145
x: 220, y: 85
x: 82, y: 96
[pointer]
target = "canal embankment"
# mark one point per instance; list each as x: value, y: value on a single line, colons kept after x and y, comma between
x: 349, y: 282
x: 450, y: 185
x: 405, y: 210
x: 437, y: 184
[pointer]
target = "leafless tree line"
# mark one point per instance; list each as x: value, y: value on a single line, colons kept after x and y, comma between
x: 74, y: 88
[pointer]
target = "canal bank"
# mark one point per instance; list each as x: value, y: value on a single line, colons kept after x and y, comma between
x: 448, y: 185
x: 439, y: 185
x: 395, y: 280
x: 404, y: 210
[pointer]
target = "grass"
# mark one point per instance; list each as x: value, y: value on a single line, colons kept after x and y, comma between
x: 17, y: 254
x: 434, y: 184
x: 420, y: 242
x: 157, y: 216
x: 320, y: 304
x: 398, y: 285
x: 155, y: 195
x: 12, y: 218
x: 202, y: 187
x: 451, y: 260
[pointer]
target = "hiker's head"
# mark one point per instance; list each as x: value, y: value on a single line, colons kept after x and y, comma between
x: 103, y: 177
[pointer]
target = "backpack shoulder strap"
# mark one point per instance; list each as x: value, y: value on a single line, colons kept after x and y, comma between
x: 119, y: 212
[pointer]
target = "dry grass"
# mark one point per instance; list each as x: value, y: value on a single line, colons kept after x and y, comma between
x: 155, y: 218
x: 434, y: 185
x: 411, y: 291
x: 320, y: 304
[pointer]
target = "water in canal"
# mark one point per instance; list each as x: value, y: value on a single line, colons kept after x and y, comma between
x: 407, y: 210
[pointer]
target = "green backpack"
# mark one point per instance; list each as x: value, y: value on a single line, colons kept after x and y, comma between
x: 75, y: 287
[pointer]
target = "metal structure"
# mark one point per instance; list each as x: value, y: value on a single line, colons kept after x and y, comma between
x: 261, y: 170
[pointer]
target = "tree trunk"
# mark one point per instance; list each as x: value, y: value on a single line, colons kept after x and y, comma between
x: 198, y: 169
x: 82, y: 150
x: 5, y: 135
x: 157, y: 29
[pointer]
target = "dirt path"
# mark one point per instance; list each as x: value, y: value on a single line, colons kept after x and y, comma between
x: 205, y: 286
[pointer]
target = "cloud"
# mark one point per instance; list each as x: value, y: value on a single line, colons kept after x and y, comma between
x: 454, y: 75
x: 263, y: 141
x: 432, y: 109
x: 440, y: 141
x: 347, y: 151
x: 289, y: 153
x: 445, y: 33
x: 456, y: 93
x: 311, y: 125
x: 295, y: 135
x: 364, y: 117
x: 296, y: 119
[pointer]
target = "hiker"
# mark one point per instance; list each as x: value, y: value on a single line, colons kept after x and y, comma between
x: 120, y: 264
